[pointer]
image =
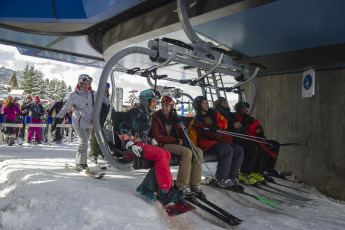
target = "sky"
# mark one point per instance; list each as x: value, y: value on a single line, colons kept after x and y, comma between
x: 37, y: 192
x: 12, y: 59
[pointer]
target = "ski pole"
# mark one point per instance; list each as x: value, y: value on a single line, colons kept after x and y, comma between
x: 307, y: 143
x: 243, y: 136
x: 194, y: 150
x: 251, y: 139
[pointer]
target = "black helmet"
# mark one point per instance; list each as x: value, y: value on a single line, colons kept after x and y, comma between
x: 197, y: 102
x: 240, y: 105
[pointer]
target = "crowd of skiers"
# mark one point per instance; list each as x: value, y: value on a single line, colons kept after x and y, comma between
x: 36, y: 111
x: 155, y: 135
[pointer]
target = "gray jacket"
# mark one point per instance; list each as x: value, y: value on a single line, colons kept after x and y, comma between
x: 82, y: 103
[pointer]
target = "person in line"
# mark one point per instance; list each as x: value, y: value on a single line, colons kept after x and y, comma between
x: 229, y: 156
x: 168, y: 132
x: 10, y: 109
x: 82, y: 101
x: 95, y: 149
x: 133, y: 132
x: 23, y: 108
x: 44, y: 120
x: 36, y: 111
x: 55, y: 109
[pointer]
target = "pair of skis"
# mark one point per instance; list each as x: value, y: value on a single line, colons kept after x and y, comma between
x: 200, y: 201
x: 280, y: 192
x: 269, y: 202
x: 203, y: 203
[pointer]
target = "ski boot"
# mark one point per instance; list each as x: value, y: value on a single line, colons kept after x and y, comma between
x: 186, y: 190
x: 247, y: 178
x: 38, y: 142
x: 172, y: 196
x: 11, y: 141
x: 82, y: 167
x: 276, y: 173
x: 257, y: 177
x: 197, y: 190
x: 146, y: 193
x: 237, y: 187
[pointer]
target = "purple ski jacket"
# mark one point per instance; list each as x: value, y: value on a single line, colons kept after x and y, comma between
x: 11, y: 112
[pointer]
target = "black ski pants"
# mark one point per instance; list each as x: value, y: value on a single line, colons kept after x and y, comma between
x: 269, y: 162
x: 253, y: 156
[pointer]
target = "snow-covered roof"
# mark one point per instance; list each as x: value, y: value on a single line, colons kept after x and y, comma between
x: 17, y: 92
x: 5, y: 86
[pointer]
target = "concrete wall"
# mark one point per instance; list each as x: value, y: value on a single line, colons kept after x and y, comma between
x: 287, y: 117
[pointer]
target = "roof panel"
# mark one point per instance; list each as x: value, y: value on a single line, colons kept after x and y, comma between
x: 281, y: 26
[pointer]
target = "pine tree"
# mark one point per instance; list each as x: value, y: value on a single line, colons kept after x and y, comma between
x: 63, y: 89
x: 13, y: 81
x: 27, y: 82
x: 43, y: 90
x: 49, y: 90
x: 69, y: 89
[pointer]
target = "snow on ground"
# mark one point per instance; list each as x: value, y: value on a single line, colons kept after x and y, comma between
x: 36, y: 192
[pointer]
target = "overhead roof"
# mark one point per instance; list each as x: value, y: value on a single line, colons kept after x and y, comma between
x: 285, y: 35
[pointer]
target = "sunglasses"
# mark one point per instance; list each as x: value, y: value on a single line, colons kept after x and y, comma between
x: 85, y: 78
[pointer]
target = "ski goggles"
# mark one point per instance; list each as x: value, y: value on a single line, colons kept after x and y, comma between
x: 169, y: 100
x: 84, y: 78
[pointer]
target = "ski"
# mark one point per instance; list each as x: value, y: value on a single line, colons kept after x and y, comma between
x: 178, y: 208
x: 258, y: 198
x: 94, y: 175
x: 280, y: 192
x: 299, y: 182
x: 272, y: 181
x: 216, y: 207
x: 227, y: 220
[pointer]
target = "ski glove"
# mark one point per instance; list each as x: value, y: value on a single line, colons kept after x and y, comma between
x: 214, y: 128
x: 137, y: 150
x: 56, y: 122
x: 154, y: 142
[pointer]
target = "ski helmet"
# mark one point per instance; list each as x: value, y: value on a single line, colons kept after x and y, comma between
x: 197, y: 102
x: 169, y: 100
x: 84, y: 78
x: 107, y: 85
x: 29, y: 96
x: 146, y: 95
x: 240, y: 105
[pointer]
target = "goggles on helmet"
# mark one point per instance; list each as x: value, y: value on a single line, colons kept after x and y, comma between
x: 169, y: 100
x: 84, y: 78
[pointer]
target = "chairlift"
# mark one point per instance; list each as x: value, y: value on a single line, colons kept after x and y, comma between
x: 162, y: 52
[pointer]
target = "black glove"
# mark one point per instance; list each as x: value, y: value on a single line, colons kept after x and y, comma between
x: 56, y: 122
x: 214, y: 128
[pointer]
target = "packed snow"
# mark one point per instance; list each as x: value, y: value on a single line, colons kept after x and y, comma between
x: 37, y: 192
